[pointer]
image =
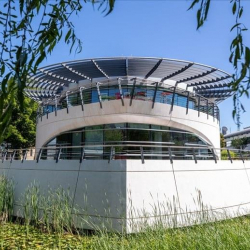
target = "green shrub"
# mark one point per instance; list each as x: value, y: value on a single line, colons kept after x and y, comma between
x: 224, y: 154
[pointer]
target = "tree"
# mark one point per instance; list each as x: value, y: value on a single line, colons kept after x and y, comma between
x: 222, y: 141
x: 30, y: 31
x: 21, y: 132
x: 239, y: 52
x: 240, y: 143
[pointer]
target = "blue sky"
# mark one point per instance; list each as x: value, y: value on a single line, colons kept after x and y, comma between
x: 160, y: 29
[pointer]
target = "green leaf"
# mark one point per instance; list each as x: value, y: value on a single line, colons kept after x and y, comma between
x: 68, y: 35
x: 193, y: 4
x: 234, y: 8
x: 240, y: 12
x: 236, y: 25
x: 206, y: 9
x: 247, y: 56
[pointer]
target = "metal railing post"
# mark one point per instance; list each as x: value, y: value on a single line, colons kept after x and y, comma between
x: 170, y: 155
x: 82, y: 155
x: 241, y: 156
x: 195, y: 159
x: 142, y: 155
x: 229, y: 155
x: 111, y: 154
x: 58, y: 155
x: 24, y: 155
x: 214, y: 156
x: 4, y: 156
x: 39, y: 155
x: 13, y: 156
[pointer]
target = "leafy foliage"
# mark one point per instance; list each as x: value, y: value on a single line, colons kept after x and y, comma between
x: 240, y: 143
x: 21, y: 131
x: 224, y: 154
x: 6, y: 99
x: 30, y: 31
x: 239, y: 52
x: 222, y: 141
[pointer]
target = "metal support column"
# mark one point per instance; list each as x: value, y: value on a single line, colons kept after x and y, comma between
x: 155, y: 92
x: 120, y: 90
x: 207, y: 109
x: 42, y: 112
x: 132, y: 92
x: 199, y: 104
x: 55, y: 105
x: 82, y: 101
x: 47, y: 111
x: 67, y: 100
x: 213, y: 111
x: 99, y: 94
x: 187, y: 105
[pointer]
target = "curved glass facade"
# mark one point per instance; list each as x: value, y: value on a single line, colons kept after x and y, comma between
x: 155, y: 139
x: 138, y: 92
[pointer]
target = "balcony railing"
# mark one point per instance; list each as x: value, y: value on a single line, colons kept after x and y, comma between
x: 126, y: 150
x: 131, y: 89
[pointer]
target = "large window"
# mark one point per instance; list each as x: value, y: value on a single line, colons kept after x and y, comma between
x: 97, y: 140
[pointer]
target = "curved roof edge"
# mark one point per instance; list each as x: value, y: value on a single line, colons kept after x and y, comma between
x: 210, y: 82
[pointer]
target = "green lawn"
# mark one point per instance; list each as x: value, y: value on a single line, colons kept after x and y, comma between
x: 230, y: 234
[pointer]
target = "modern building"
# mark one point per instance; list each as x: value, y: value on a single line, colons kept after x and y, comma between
x: 136, y: 141
x: 245, y: 133
x: 119, y: 100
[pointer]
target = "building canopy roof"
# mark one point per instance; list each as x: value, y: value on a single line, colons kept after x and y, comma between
x: 207, y: 81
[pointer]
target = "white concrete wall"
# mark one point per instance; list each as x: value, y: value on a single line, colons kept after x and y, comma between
x: 183, y: 193
x: 124, y: 194
x: 99, y: 187
x: 139, y: 112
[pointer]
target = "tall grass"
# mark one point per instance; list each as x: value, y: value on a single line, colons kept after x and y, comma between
x: 6, y: 198
x: 51, y: 212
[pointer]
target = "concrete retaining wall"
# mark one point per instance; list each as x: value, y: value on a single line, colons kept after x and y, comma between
x: 123, y: 194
